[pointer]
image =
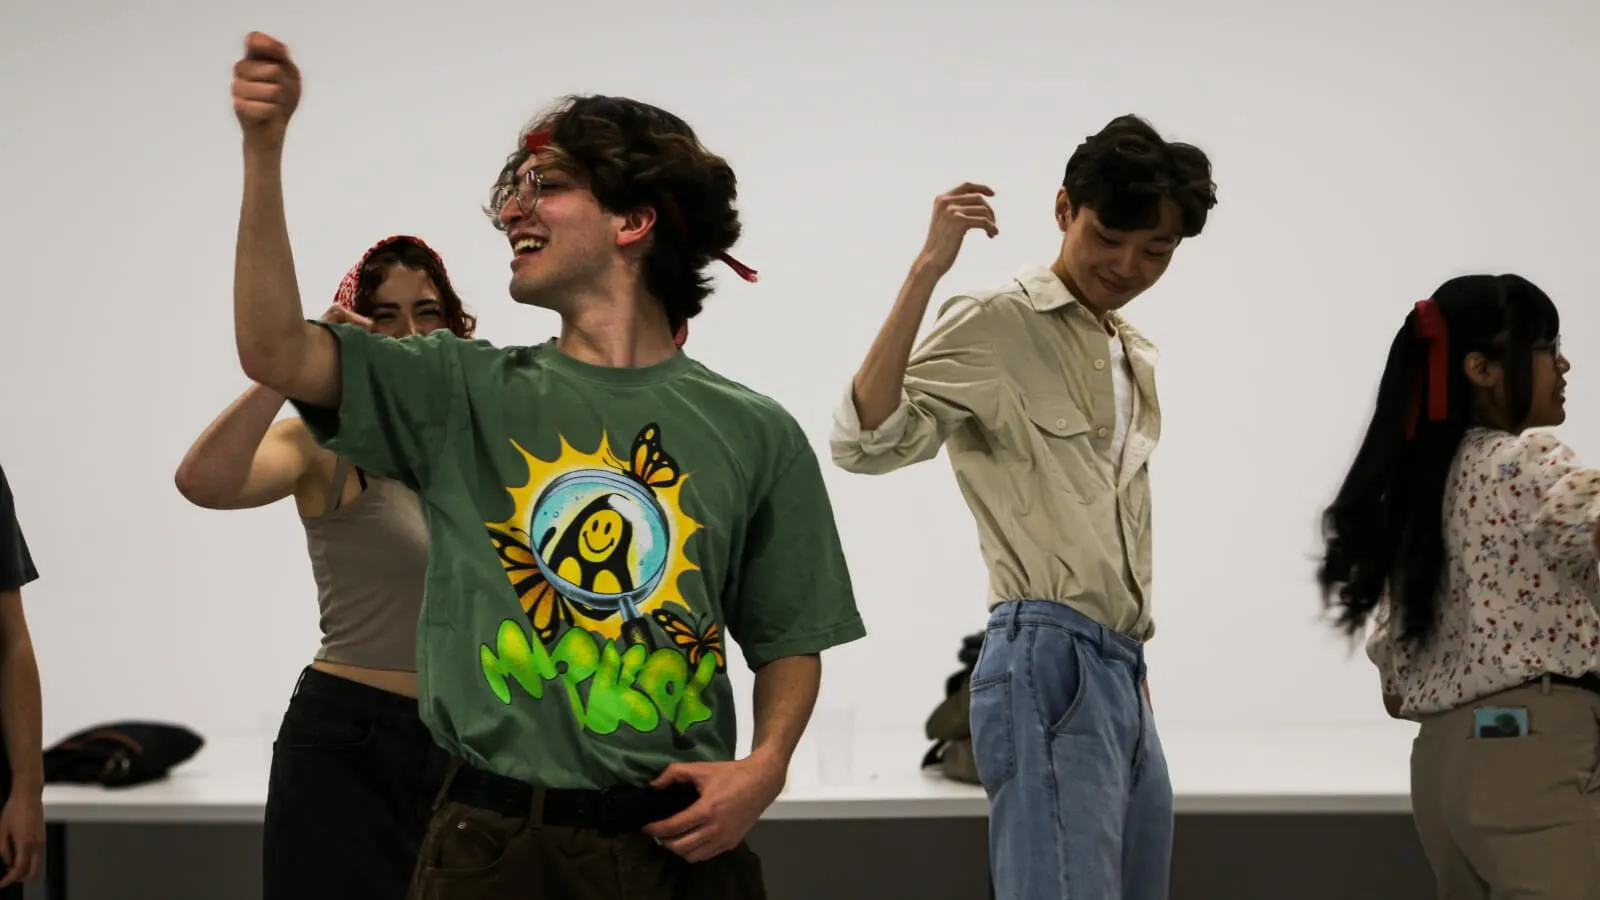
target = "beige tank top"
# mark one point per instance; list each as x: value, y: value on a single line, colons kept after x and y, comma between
x: 369, y: 557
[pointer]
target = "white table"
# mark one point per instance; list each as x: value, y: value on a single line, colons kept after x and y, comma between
x: 863, y: 774
x: 1237, y: 768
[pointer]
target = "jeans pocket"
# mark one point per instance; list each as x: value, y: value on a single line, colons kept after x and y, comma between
x: 994, y: 741
x: 469, y: 842
x: 1059, y: 680
x: 744, y: 878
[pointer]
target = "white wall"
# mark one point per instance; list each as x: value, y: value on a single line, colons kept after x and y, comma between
x: 1364, y: 152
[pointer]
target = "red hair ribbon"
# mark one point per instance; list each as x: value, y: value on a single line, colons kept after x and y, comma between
x: 538, y: 140
x: 743, y: 271
x: 345, y: 296
x: 1430, y: 326
x: 739, y: 268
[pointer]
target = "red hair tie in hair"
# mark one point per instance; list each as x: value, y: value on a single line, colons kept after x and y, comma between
x: 739, y: 268
x: 1429, y: 325
x: 670, y: 206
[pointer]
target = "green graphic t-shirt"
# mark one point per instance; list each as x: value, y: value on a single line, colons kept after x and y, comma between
x: 595, y: 532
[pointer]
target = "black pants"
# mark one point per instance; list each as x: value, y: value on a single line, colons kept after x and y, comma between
x: 354, y: 777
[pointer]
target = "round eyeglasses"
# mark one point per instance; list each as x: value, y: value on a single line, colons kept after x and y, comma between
x: 526, y: 188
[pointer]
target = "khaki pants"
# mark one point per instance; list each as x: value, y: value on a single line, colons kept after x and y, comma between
x: 470, y: 853
x: 1512, y: 818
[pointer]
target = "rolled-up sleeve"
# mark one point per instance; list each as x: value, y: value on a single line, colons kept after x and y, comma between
x: 950, y: 379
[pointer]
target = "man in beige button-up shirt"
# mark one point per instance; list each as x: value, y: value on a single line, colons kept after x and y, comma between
x: 1045, y: 400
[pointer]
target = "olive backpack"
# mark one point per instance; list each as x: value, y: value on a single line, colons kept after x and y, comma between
x: 949, y: 725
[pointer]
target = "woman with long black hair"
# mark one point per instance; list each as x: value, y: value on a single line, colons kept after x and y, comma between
x: 1469, y: 541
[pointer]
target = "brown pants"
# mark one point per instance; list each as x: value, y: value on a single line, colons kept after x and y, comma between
x: 1512, y: 818
x: 471, y: 853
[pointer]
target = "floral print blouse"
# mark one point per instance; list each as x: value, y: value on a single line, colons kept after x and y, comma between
x: 1521, y: 586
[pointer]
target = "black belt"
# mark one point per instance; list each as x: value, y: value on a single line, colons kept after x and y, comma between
x: 613, y: 810
x: 1588, y: 681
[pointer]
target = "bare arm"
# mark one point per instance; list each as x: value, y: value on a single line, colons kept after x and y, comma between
x: 877, y: 384
x: 22, y: 836
x: 21, y: 703
x: 277, y: 347
x: 243, y: 460
x: 785, y: 694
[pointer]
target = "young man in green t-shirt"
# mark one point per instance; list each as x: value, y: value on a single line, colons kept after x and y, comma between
x: 601, y: 509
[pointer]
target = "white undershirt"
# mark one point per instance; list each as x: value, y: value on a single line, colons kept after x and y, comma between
x: 1122, y: 387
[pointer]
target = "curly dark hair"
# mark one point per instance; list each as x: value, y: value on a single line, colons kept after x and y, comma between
x: 407, y: 253
x: 630, y: 155
x: 1125, y: 170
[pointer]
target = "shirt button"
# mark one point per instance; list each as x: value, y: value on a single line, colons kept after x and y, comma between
x: 1099, y: 364
x: 1061, y: 423
x: 1101, y: 432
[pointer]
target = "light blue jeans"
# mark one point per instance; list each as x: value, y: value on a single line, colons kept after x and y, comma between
x: 1080, y: 804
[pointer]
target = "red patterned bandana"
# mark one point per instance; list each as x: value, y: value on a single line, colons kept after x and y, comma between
x: 345, y: 296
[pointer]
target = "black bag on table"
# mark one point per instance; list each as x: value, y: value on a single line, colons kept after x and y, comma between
x: 120, y: 754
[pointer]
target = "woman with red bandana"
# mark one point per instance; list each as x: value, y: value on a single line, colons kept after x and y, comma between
x: 354, y: 771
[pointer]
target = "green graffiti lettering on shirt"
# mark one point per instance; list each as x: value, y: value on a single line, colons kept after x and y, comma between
x: 632, y: 686
x: 514, y: 656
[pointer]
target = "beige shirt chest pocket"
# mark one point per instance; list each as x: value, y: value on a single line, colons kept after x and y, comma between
x: 1060, y: 442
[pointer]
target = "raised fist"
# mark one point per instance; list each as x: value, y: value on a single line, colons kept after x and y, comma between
x: 955, y: 213
x: 266, y: 89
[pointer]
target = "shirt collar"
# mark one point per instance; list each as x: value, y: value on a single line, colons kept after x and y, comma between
x: 1046, y: 293
x: 1044, y: 290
